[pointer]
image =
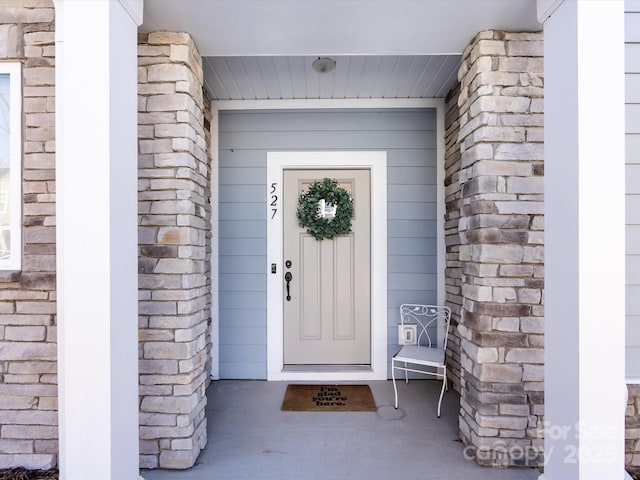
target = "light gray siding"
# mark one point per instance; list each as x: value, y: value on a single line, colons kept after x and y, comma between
x: 408, y: 137
x: 632, y: 99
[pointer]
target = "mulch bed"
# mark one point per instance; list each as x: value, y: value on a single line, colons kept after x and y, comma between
x: 24, y: 474
x: 635, y: 474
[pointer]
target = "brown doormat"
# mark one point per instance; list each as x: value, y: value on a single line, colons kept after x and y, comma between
x: 328, y: 398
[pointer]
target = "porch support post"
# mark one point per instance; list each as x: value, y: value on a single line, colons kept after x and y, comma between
x: 96, y: 211
x: 584, y: 239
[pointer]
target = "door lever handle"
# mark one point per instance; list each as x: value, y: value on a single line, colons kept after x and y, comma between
x: 288, y: 277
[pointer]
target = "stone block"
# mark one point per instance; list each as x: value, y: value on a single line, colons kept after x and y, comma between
x: 504, y: 295
x: 497, y: 253
x: 172, y: 405
x: 174, y: 265
x: 499, y: 134
x: 520, y: 151
x: 500, y: 339
x: 169, y: 38
x: 39, y: 76
x: 498, y: 104
x: 164, y: 433
x: 175, y: 159
x: 535, y: 134
x: 499, y: 373
x: 27, y: 351
x: 168, y: 72
x: 502, y: 168
x: 506, y: 324
x: 517, y: 207
x: 46, y: 120
x: 25, y: 334
x: 155, y: 146
x: 476, y: 292
x: 532, y: 325
x: 525, y: 355
x: 165, y: 103
x: 30, y: 307
x: 520, y: 48
x: 10, y: 41
x: 525, y: 184
x: 533, y: 254
x: 176, y: 130
x: 173, y: 207
x: 523, y: 91
x: 31, y: 432
x: 529, y: 295
x: 533, y: 373
x: 29, y: 461
x: 153, y: 51
x: 521, y: 64
x: 169, y: 350
x: 179, y: 459
x: 537, y: 105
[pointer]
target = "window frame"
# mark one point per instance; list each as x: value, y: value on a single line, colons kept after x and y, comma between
x: 14, y: 70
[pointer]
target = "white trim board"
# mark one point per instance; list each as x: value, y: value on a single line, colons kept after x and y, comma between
x: 329, y: 103
x: 14, y: 200
x: 376, y: 161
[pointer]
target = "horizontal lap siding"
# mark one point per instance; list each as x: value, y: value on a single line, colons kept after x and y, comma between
x: 408, y: 137
x: 632, y: 99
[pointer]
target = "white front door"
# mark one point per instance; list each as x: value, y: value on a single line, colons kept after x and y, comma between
x: 327, y: 305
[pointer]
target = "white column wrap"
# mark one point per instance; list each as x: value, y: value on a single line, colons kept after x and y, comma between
x: 584, y: 241
x: 96, y: 174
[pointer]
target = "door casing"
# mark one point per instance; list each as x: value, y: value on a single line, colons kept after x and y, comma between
x: 376, y: 162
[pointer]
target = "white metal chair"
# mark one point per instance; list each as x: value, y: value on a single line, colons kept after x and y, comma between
x: 425, y: 343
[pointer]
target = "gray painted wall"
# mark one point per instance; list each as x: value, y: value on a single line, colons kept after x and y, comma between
x: 632, y: 99
x: 408, y: 137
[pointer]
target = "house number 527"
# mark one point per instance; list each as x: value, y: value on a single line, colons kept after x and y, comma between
x: 274, y: 200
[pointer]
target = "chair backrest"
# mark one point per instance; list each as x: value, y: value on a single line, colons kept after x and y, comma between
x: 431, y: 321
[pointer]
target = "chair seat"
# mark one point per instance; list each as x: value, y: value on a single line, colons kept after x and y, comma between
x: 420, y: 355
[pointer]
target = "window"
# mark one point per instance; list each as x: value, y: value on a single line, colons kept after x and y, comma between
x: 10, y: 166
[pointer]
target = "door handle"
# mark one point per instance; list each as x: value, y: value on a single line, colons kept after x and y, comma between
x: 288, y: 277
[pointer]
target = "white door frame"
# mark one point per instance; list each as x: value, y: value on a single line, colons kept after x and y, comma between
x: 376, y: 162
x: 275, y: 362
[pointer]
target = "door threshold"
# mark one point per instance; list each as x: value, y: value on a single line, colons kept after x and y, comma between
x: 327, y: 368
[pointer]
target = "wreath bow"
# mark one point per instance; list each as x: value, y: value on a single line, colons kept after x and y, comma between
x: 338, y: 198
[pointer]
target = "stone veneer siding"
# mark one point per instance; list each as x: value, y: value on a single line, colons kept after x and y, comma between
x: 452, y: 192
x: 497, y: 281
x: 174, y: 238
x: 632, y: 437
x: 28, y: 380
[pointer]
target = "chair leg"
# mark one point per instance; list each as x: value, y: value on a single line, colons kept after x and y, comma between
x: 406, y: 374
x: 444, y: 384
x: 393, y: 378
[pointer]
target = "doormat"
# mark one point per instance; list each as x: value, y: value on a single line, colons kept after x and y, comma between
x: 328, y: 398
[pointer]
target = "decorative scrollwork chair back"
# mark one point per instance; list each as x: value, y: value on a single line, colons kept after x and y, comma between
x: 428, y: 350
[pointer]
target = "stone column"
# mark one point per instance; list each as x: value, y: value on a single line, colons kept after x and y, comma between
x: 174, y: 253
x: 501, y: 250
x: 97, y: 238
x: 585, y: 229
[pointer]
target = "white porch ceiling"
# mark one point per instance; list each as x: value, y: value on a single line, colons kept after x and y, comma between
x: 358, y: 76
x: 263, y: 49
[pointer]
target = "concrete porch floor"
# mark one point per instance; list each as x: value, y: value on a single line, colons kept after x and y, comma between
x: 251, y: 438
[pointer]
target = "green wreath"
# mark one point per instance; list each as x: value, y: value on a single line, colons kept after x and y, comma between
x: 309, y: 214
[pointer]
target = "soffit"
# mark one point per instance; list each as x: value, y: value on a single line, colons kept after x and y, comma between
x: 358, y: 76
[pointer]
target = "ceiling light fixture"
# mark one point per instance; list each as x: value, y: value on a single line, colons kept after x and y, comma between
x: 323, y: 64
